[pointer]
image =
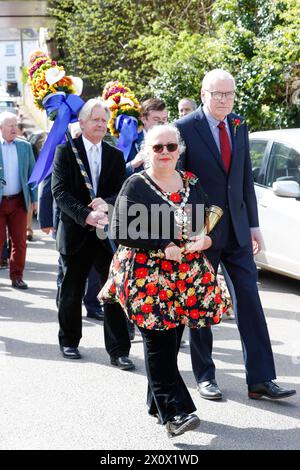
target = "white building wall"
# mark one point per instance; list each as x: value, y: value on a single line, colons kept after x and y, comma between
x: 10, y: 63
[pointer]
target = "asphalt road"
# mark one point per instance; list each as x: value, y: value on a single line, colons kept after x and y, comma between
x: 48, y: 402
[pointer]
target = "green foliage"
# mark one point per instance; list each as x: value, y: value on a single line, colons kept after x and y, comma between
x: 164, y: 48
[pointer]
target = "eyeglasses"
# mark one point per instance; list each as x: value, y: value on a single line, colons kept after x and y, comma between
x: 218, y: 95
x: 158, y: 148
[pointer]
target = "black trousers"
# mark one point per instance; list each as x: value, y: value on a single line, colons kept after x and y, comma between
x: 251, y: 322
x: 167, y: 394
x: 76, y: 269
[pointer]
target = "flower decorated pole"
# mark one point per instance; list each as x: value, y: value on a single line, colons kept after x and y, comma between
x: 125, y: 110
x: 56, y: 93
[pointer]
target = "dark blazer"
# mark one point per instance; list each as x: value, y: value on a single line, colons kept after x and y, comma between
x: 72, y: 197
x: 234, y: 192
x: 47, y: 205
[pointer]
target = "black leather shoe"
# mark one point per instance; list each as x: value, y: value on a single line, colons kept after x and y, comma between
x: 209, y: 390
x: 19, y: 284
x: 97, y: 315
x: 123, y: 362
x: 270, y: 390
x: 182, y: 423
x: 70, y: 353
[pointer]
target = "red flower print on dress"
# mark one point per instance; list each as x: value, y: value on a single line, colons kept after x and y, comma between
x: 184, y: 267
x: 139, y: 319
x: 216, y: 318
x: 166, y: 266
x: 163, y: 295
x: 147, y: 308
x: 194, y: 314
x: 181, y: 286
x: 179, y: 311
x: 191, y: 300
x: 206, y: 278
x: 141, y: 273
x: 218, y: 298
x: 141, y: 258
x: 151, y: 289
x: 175, y: 197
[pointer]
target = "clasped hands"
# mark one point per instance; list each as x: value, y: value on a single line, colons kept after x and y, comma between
x: 98, y: 216
x: 196, y: 243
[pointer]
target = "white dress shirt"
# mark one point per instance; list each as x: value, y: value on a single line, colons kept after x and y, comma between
x: 11, y: 172
x: 94, y: 155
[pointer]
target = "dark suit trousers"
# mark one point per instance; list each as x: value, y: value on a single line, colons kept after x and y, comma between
x: 257, y: 351
x: 76, y: 268
x: 14, y: 216
x: 167, y: 393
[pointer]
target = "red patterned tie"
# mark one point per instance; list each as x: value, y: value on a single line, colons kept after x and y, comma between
x: 225, y: 146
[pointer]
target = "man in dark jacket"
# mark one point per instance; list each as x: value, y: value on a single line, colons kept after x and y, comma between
x: 217, y: 151
x: 76, y: 239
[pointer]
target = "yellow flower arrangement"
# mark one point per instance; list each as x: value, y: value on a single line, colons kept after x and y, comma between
x: 120, y: 100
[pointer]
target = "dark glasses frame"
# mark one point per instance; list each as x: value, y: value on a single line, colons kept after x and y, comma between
x: 158, y: 148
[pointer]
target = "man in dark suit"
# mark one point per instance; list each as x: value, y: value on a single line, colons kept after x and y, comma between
x: 217, y: 151
x: 76, y: 239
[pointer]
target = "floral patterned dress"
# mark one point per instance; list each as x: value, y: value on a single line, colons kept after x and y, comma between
x: 160, y: 294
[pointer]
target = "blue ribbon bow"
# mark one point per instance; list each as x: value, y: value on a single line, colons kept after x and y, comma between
x: 128, y: 128
x: 67, y: 108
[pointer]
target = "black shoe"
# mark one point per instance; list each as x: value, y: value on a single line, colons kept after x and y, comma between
x: 70, y: 352
x: 270, y: 390
x: 182, y: 423
x: 123, y: 362
x: 19, y: 284
x: 97, y: 315
x: 209, y: 390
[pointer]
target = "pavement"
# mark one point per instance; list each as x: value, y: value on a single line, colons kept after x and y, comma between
x: 48, y: 402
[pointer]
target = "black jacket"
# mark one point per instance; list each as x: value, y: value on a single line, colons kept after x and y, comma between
x: 72, y: 197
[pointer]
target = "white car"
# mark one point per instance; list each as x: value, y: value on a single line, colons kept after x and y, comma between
x: 275, y: 159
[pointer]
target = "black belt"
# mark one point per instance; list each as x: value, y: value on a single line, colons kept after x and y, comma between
x: 13, y: 196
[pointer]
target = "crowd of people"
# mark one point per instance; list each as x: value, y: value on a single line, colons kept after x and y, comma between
x: 162, y: 275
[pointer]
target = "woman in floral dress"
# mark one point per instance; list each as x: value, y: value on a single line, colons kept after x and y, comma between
x: 160, y: 274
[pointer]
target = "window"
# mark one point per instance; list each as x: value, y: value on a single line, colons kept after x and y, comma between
x: 10, y: 49
x: 284, y: 164
x: 10, y: 72
x: 257, y: 152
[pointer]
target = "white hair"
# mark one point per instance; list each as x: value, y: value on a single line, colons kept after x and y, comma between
x: 215, y: 74
x: 87, y: 109
x: 156, y: 130
x: 5, y: 116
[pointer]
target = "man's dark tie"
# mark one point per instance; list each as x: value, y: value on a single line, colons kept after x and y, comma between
x: 225, y: 146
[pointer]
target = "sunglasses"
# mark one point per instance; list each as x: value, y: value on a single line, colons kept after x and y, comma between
x: 158, y: 148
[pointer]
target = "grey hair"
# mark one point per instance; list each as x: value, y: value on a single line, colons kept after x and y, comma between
x: 5, y: 116
x: 216, y: 74
x: 87, y: 109
x: 152, y: 133
x: 192, y: 102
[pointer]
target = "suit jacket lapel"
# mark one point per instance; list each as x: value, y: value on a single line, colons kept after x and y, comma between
x: 20, y: 158
x: 82, y: 153
x: 204, y: 131
x: 233, y: 140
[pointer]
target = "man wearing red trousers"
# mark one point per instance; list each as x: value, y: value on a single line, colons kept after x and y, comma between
x: 16, y: 164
